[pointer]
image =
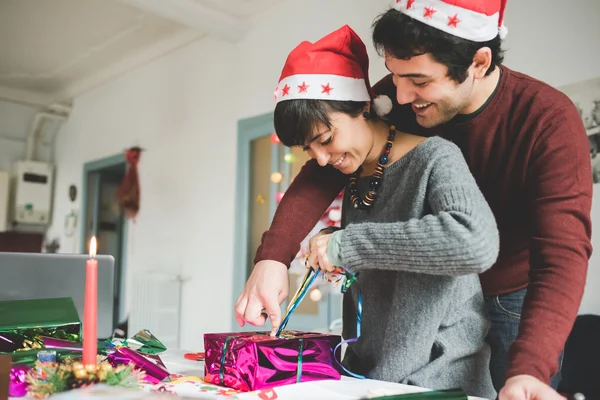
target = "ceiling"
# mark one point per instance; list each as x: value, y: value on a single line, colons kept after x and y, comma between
x: 53, y: 50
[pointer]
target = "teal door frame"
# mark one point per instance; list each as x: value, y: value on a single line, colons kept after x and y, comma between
x: 250, y: 129
x: 95, y: 166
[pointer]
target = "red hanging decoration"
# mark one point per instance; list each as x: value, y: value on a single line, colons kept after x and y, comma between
x: 128, y: 192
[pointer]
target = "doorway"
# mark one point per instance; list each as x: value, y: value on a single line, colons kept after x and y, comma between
x: 264, y: 171
x: 103, y: 218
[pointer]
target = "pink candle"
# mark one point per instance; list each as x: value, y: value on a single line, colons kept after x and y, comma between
x: 90, y: 312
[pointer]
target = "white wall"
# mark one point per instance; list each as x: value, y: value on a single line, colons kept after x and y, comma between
x: 183, y: 110
x: 15, y: 121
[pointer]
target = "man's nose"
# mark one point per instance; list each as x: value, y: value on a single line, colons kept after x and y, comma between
x: 404, y: 93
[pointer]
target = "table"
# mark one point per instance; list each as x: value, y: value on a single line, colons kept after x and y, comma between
x: 187, y: 384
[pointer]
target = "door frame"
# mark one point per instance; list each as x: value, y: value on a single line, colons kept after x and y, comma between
x: 249, y: 129
x: 96, y: 166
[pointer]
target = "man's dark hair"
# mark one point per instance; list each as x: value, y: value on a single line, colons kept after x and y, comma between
x: 403, y: 37
x: 295, y: 120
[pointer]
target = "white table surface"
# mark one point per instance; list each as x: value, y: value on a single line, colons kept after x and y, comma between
x: 190, y: 385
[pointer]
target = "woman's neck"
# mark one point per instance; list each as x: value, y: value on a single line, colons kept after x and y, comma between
x: 381, y: 131
x: 403, y: 143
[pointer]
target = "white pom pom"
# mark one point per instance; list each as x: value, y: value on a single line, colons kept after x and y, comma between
x: 382, y: 105
x: 502, y: 31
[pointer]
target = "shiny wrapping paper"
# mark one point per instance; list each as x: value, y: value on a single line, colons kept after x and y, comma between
x: 255, y: 360
x: 23, y: 322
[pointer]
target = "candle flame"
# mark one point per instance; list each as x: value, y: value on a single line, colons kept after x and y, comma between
x: 93, y: 247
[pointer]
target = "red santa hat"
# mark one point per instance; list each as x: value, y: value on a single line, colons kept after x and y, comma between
x: 335, y: 67
x: 475, y: 20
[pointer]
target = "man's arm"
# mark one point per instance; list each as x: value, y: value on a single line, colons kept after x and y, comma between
x: 305, y: 201
x: 560, y: 194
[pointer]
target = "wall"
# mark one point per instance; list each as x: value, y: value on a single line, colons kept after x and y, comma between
x: 183, y: 109
x: 15, y: 121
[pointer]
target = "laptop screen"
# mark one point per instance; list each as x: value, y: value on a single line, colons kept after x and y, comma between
x: 42, y: 275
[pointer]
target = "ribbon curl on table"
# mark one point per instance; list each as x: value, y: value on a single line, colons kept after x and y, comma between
x: 141, y: 350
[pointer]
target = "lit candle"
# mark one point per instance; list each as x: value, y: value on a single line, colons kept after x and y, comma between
x: 90, y: 312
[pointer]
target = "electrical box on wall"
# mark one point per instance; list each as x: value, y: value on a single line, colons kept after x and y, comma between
x: 31, y: 192
x: 4, y: 200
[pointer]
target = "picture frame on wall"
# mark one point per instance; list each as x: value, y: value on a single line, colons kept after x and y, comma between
x: 586, y: 97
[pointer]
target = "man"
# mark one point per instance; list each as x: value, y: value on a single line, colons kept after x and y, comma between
x: 525, y: 144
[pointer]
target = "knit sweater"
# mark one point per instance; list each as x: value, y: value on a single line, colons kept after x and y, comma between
x: 529, y: 153
x: 417, y: 252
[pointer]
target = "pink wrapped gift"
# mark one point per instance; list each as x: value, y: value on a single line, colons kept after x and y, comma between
x: 255, y: 360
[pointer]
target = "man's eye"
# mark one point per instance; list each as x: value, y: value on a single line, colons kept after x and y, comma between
x: 325, y: 143
x: 421, y: 84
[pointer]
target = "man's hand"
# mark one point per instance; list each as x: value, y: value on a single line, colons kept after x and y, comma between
x: 266, y: 289
x: 317, y: 252
x: 526, y: 387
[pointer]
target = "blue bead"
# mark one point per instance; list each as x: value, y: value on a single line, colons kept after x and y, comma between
x: 383, y: 159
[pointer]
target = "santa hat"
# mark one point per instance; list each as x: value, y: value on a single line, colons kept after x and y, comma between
x: 475, y: 20
x: 335, y: 67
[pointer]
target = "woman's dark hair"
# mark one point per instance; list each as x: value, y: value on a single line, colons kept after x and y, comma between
x: 295, y: 120
x: 403, y: 37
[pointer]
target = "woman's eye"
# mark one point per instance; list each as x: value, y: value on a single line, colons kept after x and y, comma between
x: 325, y: 143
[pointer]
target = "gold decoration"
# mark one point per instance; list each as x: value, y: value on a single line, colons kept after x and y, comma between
x: 260, y: 199
x: 276, y: 177
x: 49, y: 378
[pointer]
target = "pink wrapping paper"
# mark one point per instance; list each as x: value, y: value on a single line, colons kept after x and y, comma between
x: 255, y: 360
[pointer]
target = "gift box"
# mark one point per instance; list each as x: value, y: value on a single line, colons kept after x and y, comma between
x: 255, y: 360
x: 24, y: 322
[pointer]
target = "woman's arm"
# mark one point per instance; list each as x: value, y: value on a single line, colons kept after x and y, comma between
x: 460, y: 236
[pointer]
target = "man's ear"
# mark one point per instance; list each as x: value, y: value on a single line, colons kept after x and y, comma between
x: 482, y: 61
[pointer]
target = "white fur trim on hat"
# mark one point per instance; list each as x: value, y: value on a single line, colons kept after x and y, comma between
x: 382, y: 105
x: 321, y: 87
x: 452, y: 19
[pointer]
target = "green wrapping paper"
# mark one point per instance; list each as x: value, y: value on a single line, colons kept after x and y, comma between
x: 24, y: 322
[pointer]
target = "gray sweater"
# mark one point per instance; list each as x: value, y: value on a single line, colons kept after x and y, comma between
x: 417, y: 252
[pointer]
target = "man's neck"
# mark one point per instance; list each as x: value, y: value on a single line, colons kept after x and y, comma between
x: 485, y: 88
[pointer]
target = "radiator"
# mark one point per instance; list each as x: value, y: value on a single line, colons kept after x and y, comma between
x: 156, y: 306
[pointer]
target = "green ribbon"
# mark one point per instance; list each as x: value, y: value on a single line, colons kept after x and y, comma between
x: 223, y: 352
x: 299, y: 370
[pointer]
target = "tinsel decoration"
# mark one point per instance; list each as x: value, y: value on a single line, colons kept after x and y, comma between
x: 128, y: 192
x: 46, y: 379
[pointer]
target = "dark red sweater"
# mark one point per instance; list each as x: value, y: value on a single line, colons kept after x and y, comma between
x: 529, y: 153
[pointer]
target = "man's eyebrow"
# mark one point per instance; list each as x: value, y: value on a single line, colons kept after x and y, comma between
x: 412, y: 75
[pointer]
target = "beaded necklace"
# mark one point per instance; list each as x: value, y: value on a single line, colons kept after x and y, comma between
x: 375, y: 181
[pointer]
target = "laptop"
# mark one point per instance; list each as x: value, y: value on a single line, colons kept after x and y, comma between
x: 44, y: 275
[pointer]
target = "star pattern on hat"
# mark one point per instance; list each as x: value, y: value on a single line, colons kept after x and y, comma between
x: 326, y: 88
x: 303, y: 88
x: 453, y: 21
x: 285, y: 90
x: 429, y: 11
x: 409, y: 4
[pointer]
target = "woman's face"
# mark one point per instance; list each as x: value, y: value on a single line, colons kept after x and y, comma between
x: 345, y: 146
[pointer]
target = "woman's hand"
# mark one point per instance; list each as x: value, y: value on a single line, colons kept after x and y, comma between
x: 317, y: 252
x: 266, y: 288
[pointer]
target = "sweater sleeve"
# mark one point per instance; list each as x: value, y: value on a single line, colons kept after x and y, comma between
x: 305, y: 201
x: 559, y: 182
x: 458, y: 237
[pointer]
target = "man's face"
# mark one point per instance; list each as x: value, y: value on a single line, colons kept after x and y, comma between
x: 424, y: 83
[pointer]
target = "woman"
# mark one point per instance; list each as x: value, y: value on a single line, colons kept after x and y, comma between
x: 416, y: 228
